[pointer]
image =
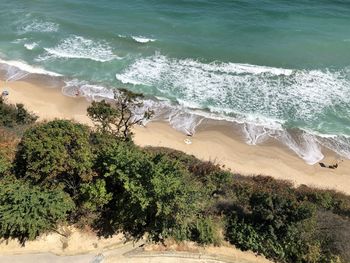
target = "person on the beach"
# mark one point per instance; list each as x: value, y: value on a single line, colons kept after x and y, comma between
x: 332, y: 166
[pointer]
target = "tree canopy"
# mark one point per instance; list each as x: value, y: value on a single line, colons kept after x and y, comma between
x: 119, y: 116
x: 27, y: 211
x: 150, y: 193
x: 56, y: 152
x: 12, y: 115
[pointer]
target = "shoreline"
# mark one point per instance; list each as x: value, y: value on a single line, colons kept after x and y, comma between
x: 214, y: 140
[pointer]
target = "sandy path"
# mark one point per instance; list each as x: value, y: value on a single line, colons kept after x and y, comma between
x: 121, y: 256
x: 126, y: 253
x: 213, y: 143
x: 45, y: 258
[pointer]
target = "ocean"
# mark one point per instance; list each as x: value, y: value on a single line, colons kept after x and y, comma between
x: 277, y: 69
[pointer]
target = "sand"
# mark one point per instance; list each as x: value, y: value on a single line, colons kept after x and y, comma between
x: 215, y: 142
x: 84, y: 246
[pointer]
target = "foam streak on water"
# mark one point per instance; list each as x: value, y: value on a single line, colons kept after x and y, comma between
x: 38, y: 26
x: 82, y: 48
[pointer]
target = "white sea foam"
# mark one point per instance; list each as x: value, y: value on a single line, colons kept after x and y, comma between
x: 139, y: 39
x: 142, y: 40
x: 77, y: 87
x: 185, y: 122
x: 30, y: 46
x: 273, y: 93
x: 338, y: 144
x: 19, y: 69
x: 80, y: 47
x: 305, y: 146
x: 38, y: 26
x: 237, y: 92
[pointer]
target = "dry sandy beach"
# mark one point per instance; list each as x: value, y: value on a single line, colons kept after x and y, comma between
x: 216, y: 142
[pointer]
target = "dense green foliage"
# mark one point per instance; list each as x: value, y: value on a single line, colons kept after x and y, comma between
x: 4, y: 163
x: 65, y: 171
x: 55, y: 152
x: 150, y: 193
x: 26, y: 211
x: 13, y: 115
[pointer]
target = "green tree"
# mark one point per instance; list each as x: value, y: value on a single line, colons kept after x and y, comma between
x: 95, y: 195
x: 150, y: 193
x: 27, y: 211
x: 56, y: 152
x: 12, y: 115
x: 277, y: 211
x: 275, y: 225
x: 119, y: 118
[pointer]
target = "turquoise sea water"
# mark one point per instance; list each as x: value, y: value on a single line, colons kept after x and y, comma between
x: 279, y: 68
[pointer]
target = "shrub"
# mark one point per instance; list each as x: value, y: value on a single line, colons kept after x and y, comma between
x: 55, y: 152
x: 27, y: 211
x: 95, y: 195
x: 150, y: 193
x: 204, y: 231
x: 12, y: 115
x: 273, y: 225
x: 333, y: 232
x: 4, y: 164
x: 119, y: 118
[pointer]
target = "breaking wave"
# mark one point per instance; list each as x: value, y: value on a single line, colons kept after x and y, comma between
x: 138, y: 39
x: 16, y: 70
x: 266, y: 101
x: 30, y: 46
x: 38, y: 26
x: 80, y: 48
x: 75, y: 87
x: 142, y: 40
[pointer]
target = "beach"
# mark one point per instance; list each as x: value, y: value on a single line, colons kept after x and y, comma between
x: 215, y: 141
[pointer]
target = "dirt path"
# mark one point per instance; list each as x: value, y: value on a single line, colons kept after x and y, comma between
x: 134, y: 253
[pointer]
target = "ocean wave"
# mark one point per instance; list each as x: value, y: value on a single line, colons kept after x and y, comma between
x: 38, y: 26
x: 80, y: 48
x: 139, y: 39
x: 30, y: 46
x: 142, y: 40
x: 282, y: 94
x: 18, y: 69
x: 75, y: 87
x: 264, y: 100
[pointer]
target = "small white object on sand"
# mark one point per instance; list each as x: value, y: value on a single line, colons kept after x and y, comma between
x: 188, y: 141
